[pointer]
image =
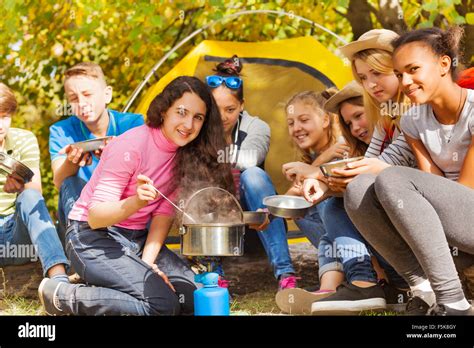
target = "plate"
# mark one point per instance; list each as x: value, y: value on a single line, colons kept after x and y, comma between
x: 10, y: 165
x: 91, y: 144
x: 287, y: 206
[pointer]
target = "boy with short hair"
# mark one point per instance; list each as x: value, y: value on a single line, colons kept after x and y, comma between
x: 24, y: 217
x: 88, y: 94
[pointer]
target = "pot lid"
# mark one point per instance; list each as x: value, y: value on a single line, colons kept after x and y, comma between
x: 213, y: 205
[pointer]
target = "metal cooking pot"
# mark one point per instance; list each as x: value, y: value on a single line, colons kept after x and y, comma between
x: 10, y: 165
x: 212, y: 239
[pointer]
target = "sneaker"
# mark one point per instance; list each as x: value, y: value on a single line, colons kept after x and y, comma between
x: 222, y: 283
x: 394, y: 295
x: 299, y: 301
x: 47, y: 292
x: 442, y: 310
x: 287, y: 281
x: 396, y: 298
x: 313, y: 288
x: 420, y: 303
x: 350, y: 299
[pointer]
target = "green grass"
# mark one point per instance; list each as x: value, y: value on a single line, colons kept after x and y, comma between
x: 255, y: 303
x: 16, y: 305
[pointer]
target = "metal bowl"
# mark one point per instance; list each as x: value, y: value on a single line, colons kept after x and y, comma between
x: 254, y: 217
x: 327, y: 168
x: 91, y: 144
x: 10, y: 165
x: 286, y: 206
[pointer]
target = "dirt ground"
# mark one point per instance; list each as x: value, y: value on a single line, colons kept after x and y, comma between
x: 253, y: 286
x: 252, y: 272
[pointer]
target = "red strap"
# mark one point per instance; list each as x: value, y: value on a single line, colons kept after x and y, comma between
x: 388, y: 137
x: 466, y: 78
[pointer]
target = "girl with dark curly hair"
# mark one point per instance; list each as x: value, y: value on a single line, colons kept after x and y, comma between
x: 119, y: 224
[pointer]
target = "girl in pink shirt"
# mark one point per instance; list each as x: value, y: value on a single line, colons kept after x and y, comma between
x: 118, y: 226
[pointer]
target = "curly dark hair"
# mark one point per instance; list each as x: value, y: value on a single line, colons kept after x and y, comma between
x: 232, y: 67
x: 441, y: 42
x: 196, y: 163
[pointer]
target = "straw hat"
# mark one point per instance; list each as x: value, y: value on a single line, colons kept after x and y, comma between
x: 375, y: 39
x: 351, y: 90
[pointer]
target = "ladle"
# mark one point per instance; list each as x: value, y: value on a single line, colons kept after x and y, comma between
x: 174, y: 205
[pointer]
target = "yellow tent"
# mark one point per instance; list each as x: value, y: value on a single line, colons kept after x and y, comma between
x: 272, y: 72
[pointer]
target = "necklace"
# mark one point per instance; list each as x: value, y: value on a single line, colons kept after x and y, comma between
x: 458, y: 116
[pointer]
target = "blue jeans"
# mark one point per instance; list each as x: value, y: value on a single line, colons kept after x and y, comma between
x: 110, y: 260
x: 313, y: 226
x: 347, y: 244
x: 30, y: 230
x: 69, y: 193
x: 255, y: 185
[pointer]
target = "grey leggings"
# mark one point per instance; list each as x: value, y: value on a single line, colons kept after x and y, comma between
x: 411, y: 218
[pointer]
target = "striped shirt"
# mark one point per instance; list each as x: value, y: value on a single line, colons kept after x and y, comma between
x: 393, y: 150
x: 22, y: 146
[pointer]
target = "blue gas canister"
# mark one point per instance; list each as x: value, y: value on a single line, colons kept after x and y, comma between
x: 211, y: 299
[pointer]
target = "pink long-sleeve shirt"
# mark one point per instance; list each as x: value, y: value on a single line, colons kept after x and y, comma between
x: 141, y: 150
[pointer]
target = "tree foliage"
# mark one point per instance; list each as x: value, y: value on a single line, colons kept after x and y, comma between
x: 40, y: 39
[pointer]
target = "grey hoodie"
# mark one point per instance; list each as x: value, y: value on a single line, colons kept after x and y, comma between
x: 251, y: 139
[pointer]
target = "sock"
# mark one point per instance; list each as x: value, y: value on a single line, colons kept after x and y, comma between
x: 425, y: 292
x: 61, y: 277
x: 461, y: 305
x: 424, y: 286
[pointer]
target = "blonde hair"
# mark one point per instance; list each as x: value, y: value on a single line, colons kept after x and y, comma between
x: 316, y: 100
x: 88, y: 69
x: 381, y: 61
x: 8, y: 103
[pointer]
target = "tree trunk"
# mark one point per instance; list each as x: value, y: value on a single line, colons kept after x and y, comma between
x: 358, y: 15
x: 390, y: 15
x: 465, y: 7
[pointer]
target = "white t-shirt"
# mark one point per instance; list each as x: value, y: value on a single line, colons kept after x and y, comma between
x: 420, y: 123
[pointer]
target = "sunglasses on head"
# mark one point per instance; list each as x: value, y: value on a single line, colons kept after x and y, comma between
x: 233, y: 82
